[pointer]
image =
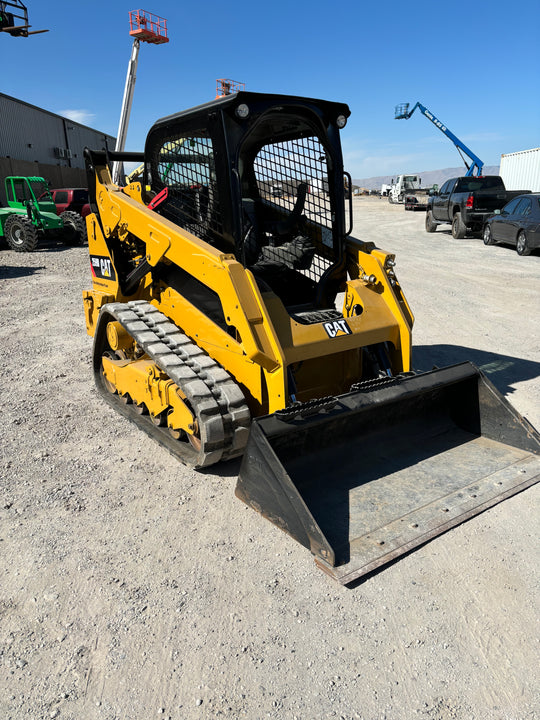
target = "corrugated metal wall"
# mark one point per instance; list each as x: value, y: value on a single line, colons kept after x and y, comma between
x: 55, y: 175
x: 521, y: 170
x: 31, y: 134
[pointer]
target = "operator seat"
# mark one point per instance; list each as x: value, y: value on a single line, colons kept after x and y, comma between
x: 275, y: 250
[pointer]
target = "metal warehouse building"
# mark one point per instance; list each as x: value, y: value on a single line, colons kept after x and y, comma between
x: 34, y: 141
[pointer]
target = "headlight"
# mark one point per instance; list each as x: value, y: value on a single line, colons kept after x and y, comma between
x: 242, y: 111
x: 341, y: 121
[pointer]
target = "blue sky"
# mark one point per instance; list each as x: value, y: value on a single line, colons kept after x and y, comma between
x: 473, y: 64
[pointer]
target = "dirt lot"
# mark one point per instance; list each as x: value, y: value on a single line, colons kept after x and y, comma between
x: 135, y: 588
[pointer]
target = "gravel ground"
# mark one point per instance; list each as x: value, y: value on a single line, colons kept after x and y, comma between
x: 133, y: 587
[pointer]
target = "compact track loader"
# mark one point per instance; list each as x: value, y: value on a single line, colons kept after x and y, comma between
x: 232, y: 319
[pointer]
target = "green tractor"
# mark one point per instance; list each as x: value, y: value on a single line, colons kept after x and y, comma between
x: 31, y: 213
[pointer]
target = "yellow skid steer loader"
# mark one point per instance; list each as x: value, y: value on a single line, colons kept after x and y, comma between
x: 233, y: 314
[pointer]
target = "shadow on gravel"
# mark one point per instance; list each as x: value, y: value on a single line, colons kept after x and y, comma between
x: 17, y: 272
x: 478, y: 236
x: 55, y: 245
x: 512, y: 248
x: 46, y: 245
x: 503, y: 370
x: 228, y: 469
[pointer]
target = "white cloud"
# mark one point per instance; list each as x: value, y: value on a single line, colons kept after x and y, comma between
x: 375, y: 165
x: 80, y: 116
x: 483, y: 137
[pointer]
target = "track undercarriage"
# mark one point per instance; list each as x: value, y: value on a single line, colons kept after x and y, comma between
x: 155, y: 375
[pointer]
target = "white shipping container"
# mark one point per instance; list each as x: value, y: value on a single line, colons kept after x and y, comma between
x: 521, y: 170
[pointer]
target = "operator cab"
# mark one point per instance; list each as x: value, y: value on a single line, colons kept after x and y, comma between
x: 260, y: 176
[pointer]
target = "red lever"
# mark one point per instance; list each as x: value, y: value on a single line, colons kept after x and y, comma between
x: 160, y: 197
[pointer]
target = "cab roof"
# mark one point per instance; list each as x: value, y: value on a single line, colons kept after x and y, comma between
x: 259, y: 101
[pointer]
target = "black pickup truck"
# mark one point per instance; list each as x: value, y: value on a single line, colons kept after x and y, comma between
x: 466, y: 203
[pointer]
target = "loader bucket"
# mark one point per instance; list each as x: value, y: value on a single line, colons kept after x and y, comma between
x: 389, y: 468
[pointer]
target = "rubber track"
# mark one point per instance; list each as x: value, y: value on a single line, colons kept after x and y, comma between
x: 219, y: 404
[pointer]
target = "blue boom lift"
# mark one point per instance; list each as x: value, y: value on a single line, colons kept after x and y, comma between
x: 403, y: 113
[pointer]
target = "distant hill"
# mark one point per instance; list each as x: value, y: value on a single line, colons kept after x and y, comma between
x: 429, y: 177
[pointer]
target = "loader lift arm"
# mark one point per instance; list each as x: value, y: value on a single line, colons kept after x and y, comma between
x: 403, y: 113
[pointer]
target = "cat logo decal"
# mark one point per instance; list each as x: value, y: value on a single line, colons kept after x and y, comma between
x: 102, y: 267
x: 335, y: 328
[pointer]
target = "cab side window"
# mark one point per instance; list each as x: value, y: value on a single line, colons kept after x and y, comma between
x: 445, y: 188
x: 524, y: 207
x: 184, y: 164
x: 19, y: 187
x: 510, y: 207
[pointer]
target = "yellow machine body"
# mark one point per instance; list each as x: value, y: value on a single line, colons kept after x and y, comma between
x: 267, y: 340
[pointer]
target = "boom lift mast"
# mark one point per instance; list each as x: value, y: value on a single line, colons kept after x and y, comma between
x: 402, y: 113
x: 145, y: 27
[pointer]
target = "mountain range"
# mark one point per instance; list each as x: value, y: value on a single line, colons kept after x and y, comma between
x: 429, y: 177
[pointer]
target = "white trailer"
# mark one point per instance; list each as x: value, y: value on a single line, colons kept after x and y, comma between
x: 521, y: 170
